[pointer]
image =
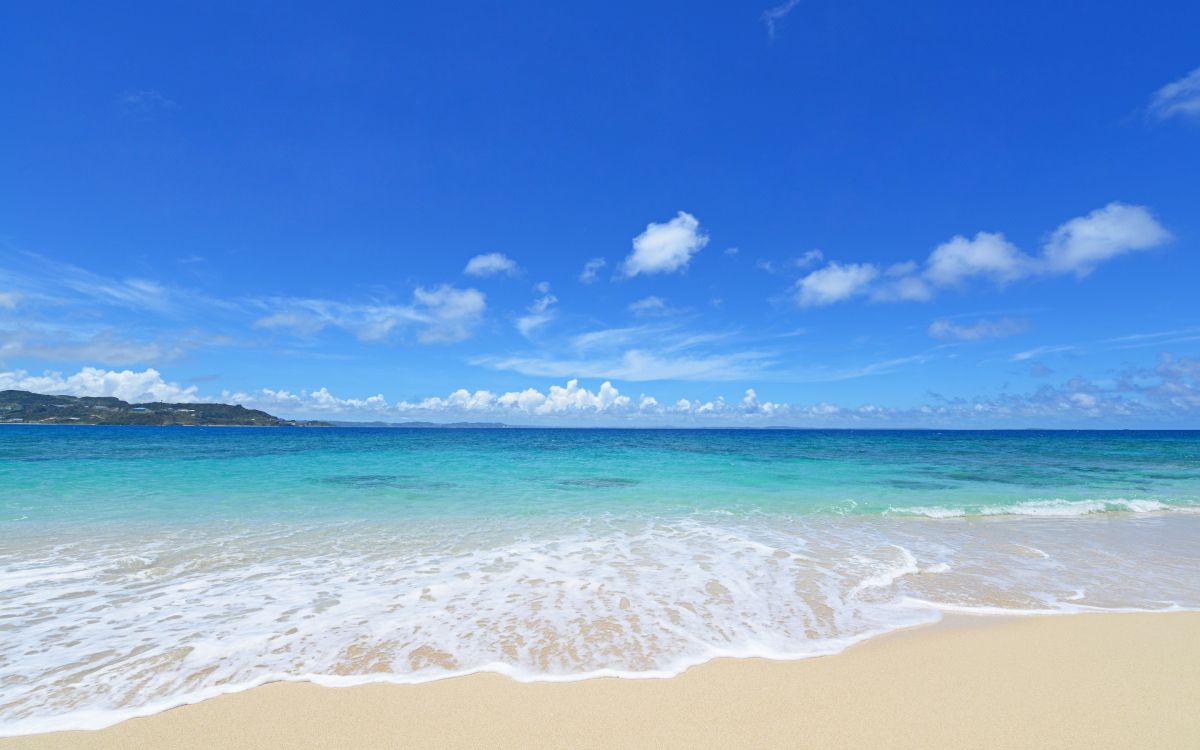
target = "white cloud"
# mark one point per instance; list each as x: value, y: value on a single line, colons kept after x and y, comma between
x: 442, y: 314
x: 834, y: 283
x: 773, y: 15
x: 903, y: 289
x: 1039, y: 351
x: 982, y: 329
x: 1178, y: 98
x: 988, y: 255
x: 491, y: 264
x: 558, y: 400
x: 450, y: 313
x: 127, y: 385
x: 665, y: 248
x: 305, y: 403
x: 810, y: 258
x: 649, y: 306
x: 539, y: 313
x: 591, y: 270
x: 607, y: 338
x: 639, y: 365
x: 32, y: 341
x: 1084, y: 242
x: 1077, y: 247
x: 9, y: 300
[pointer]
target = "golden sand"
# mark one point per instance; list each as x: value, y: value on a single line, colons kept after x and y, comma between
x: 1083, y: 681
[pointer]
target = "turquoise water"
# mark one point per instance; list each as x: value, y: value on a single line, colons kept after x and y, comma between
x: 145, y: 567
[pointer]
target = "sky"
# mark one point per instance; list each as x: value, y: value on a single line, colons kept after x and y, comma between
x: 809, y: 214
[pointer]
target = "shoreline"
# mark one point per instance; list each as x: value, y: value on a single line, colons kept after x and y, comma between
x: 1085, y: 680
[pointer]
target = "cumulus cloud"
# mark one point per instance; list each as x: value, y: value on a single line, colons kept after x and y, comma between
x: 988, y: 255
x: 557, y: 400
x: 491, y: 264
x: 665, y: 248
x: 834, y: 283
x: 591, y: 270
x: 1166, y: 393
x: 305, y: 402
x: 127, y: 385
x: 1084, y: 242
x: 442, y: 314
x: 1178, y: 99
x: 1075, y: 247
x: 981, y: 329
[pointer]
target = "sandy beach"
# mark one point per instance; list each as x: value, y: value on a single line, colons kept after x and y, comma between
x: 1082, y: 681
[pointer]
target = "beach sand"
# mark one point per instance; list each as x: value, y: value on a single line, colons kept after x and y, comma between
x: 1080, y: 681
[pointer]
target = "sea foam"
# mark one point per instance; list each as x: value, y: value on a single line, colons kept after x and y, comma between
x: 139, y: 619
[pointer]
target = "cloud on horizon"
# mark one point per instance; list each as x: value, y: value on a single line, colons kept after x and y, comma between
x: 1170, y: 390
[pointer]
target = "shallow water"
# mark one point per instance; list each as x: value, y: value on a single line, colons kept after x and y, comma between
x: 145, y: 567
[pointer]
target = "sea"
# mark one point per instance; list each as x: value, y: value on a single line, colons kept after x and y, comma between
x: 143, y: 568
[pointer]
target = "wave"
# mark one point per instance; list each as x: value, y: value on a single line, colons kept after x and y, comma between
x: 129, y: 625
x: 1056, y: 508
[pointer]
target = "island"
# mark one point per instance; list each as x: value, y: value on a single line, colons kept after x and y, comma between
x: 39, y: 408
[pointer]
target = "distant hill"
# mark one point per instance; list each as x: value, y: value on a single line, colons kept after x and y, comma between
x: 23, y: 406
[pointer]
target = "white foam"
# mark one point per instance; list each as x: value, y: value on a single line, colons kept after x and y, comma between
x: 185, y: 614
x: 1056, y: 508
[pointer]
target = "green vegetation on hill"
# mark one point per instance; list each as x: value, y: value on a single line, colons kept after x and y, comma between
x: 23, y: 406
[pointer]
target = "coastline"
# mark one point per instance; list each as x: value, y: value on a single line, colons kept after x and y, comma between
x: 1082, y: 680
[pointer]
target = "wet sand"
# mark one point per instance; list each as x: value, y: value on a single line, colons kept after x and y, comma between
x: 1080, y: 681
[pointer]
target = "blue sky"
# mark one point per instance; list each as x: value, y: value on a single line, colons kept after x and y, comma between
x: 810, y: 214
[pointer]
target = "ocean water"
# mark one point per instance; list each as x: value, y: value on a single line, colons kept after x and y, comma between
x: 142, y: 568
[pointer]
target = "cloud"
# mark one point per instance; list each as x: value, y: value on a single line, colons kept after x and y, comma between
x: 145, y: 103
x: 773, y: 15
x: 591, y: 269
x: 571, y: 399
x: 491, y: 264
x: 539, y: 313
x: 982, y: 329
x: 638, y: 365
x: 834, y: 283
x: 988, y: 255
x: 53, y: 344
x: 650, y: 306
x: 442, y: 314
x: 665, y: 248
x: 1167, y: 393
x: 1178, y: 99
x: 1039, y: 351
x: 1084, y: 242
x: 450, y: 313
x: 810, y: 258
x: 319, y: 402
x: 1075, y: 247
x: 127, y: 385
x: 9, y: 300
